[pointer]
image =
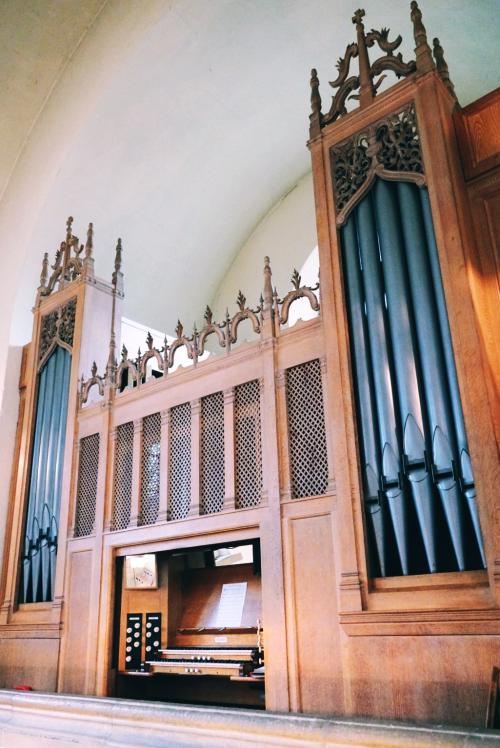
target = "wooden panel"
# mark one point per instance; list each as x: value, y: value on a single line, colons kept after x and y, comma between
x: 77, y: 624
x: 31, y: 662
x: 144, y: 601
x: 478, y: 129
x: 427, y: 678
x: 311, y: 585
x: 202, y: 590
x: 484, y: 196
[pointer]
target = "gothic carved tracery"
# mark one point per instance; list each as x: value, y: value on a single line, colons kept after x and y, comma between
x: 57, y: 328
x: 389, y: 149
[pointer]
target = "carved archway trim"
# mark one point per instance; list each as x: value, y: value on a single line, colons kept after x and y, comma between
x: 388, y: 149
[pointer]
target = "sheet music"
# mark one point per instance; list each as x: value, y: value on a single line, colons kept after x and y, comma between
x: 232, y: 600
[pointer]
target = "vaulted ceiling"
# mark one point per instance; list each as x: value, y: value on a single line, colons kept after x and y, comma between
x: 177, y: 124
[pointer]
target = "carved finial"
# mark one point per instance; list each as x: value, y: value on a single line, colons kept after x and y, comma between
x: 69, y: 233
x: 241, y: 300
x: 442, y: 67
x: 90, y: 241
x: 45, y: 270
x: 358, y: 16
x: 208, y: 315
x: 149, y: 340
x: 179, y: 329
x: 165, y: 343
x: 422, y: 50
x: 118, y: 263
x: 268, y: 286
x: 366, y: 92
x: 315, y: 116
x: 124, y: 353
x: 296, y: 279
x: 118, y: 256
x: 94, y: 369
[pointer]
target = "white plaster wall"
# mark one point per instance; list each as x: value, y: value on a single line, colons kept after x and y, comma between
x: 79, y: 88
x: 287, y: 234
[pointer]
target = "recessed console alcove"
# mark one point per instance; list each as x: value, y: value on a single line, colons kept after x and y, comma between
x: 188, y: 626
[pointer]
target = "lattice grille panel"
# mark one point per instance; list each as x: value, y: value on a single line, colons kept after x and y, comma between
x: 179, y: 489
x: 212, y: 453
x: 122, y: 490
x: 248, y: 444
x: 150, y: 469
x: 306, y: 430
x: 87, y: 485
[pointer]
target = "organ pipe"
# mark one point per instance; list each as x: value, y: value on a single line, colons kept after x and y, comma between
x: 410, y: 421
x: 374, y: 498
x: 44, y: 493
x: 374, y: 299
x: 464, y: 463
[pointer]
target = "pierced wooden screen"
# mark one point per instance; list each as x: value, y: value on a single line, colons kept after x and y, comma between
x: 179, y: 462
x: 248, y: 444
x: 212, y: 453
x: 87, y: 486
x: 122, y: 490
x: 150, y: 469
x: 306, y: 430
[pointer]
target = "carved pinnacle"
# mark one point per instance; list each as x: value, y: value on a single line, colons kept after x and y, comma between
x: 442, y: 67
x: 90, y: 241
x: 69, y: 224
x: 422, y: 50
x: 118, y: 256
x: 268, y: 287
x: 315, y: 116
x: 45, y: 270
x: 366, y: 92
x: 149, y: 340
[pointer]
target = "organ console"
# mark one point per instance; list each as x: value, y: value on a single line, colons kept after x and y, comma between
x: 198, y: 634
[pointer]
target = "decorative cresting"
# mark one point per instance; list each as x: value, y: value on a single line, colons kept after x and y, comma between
x: 86, y: 495
x: 370, y: 74
x: 134, y: 371
x: 389, y: 149
x: 57, y: 328
x: 71, y: 261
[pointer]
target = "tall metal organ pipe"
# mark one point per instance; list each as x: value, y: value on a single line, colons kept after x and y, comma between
x: 45, y: 483
x: 374, y: 299
x: 464, y: 466
x: 374, y: 499
x: 400, y: 326
x: 433, y: 371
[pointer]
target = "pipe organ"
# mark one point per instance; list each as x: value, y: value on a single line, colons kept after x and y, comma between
x: 355, y: 452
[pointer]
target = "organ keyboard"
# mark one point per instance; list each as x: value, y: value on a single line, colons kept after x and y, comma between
x: 229, y: 662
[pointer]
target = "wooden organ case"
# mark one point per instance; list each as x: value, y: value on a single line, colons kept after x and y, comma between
x: 357, y: 448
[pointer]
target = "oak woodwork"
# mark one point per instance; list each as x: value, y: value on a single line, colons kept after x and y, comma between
x: 336, y: 640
